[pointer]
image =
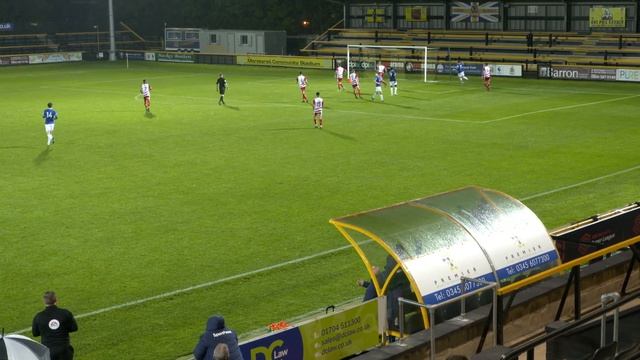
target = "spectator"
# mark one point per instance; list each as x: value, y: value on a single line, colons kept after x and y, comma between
x: 216, y: 333
x: 54, y: 325
x: 221, y: 352
x: 370, y: 289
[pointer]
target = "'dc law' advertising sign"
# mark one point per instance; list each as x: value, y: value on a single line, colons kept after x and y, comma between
x: 332, y: 337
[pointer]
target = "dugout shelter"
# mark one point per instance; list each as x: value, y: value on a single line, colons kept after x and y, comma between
x: 430, y: 244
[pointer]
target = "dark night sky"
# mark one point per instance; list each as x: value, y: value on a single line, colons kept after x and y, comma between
x: 148, y: 16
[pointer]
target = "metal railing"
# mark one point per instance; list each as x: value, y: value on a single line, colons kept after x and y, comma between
x: 610, y: 302
x: 606, y: 299
x: 485, y: 285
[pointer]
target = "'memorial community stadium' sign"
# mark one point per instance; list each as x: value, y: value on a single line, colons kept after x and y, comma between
x: 331, y: 337
x: 607, y: 17
x: 286, y: 61
x: 175, y: 57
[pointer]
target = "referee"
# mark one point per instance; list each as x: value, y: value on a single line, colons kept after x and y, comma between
x: 54, y: 325
x: 221, y: 86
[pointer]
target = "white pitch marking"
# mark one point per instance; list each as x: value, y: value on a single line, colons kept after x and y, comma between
x: 309, y: 257
x: 208, y: 284
x: 409, y: 116
x: 578, y: 184
x: 557, y: 108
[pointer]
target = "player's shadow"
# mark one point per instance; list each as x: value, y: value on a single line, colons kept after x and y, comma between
x: 42, y: 157
x: 149, y: 115
x: 232, y: 107
x: 338, y: 135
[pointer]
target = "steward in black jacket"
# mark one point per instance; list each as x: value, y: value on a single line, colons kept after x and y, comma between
x: 54, y: 325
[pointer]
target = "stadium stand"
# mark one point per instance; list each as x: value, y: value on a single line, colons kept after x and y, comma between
x: 126, y: 39
x: 494, y: 46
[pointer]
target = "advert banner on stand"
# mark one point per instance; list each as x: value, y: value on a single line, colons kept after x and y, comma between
x: 332, y: 337
x: 607, y: 17
x: 55, y: 58
x: 285, y: 61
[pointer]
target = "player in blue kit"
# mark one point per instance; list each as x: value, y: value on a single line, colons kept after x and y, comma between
x: 379, y: 81
x: 49, y: 115
x: 460, y: 71
x: 393, y: 81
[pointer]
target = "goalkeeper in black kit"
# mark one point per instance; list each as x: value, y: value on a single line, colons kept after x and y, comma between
x: 221, y: 86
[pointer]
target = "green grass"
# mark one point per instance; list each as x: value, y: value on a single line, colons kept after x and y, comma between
x: 125, y: 207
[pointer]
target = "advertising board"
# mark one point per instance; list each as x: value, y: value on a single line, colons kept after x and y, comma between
x: 331, y: 337
x: 174, y: 57
x: 564, y: 72
x: 55, y: 58
x: 627, y: 75
x: 130, y: 55
x: 285, y: 61
x: 149, y: 56
x: 507, y: 70
x: 598, y: 234
x: 19, y: 60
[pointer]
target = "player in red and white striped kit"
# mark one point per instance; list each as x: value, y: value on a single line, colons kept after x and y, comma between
x: 486, y: 75
x: 339, y: 77
x: 318, y: 104
x: 302, y: 83
x: 145, y: 90
x: 355, y: 83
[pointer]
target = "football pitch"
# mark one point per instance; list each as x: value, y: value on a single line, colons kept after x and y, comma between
x: 145, y: 225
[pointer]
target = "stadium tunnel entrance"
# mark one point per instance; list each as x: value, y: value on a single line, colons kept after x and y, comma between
x: 429, y: 245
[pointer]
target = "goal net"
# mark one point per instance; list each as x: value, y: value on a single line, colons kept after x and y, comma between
x: 410, y: 59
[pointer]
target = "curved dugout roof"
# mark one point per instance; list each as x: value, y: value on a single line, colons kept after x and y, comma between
x: 471, y: 232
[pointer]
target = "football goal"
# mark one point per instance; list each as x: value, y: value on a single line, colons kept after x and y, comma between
x: 410, y: 58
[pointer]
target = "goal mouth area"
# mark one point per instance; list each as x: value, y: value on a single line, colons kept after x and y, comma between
x: 417, y: 60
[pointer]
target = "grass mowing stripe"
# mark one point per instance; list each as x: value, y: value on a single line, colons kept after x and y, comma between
x: 585, y: 182
x: 557, y: 108
x: 207, y: 284
x: 305, y: 258
x: 409, y: 116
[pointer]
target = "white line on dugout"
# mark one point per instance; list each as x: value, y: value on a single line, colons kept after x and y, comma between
x: 309, y: 257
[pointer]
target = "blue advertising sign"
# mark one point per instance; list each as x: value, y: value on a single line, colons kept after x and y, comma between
x: 469, y: 69
x: 7, y: 26
x: 283, y: 345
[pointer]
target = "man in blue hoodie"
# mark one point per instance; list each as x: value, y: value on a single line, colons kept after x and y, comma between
x: 215, y: 334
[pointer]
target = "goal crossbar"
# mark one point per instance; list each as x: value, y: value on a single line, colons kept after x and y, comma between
x: 425, y: 48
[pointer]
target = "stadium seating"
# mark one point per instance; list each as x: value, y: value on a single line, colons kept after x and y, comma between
x: 480, y: 46
x: 126, y: 39
x: 21, y: 44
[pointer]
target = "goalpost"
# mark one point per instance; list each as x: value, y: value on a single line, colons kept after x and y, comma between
x: 385, y: 47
